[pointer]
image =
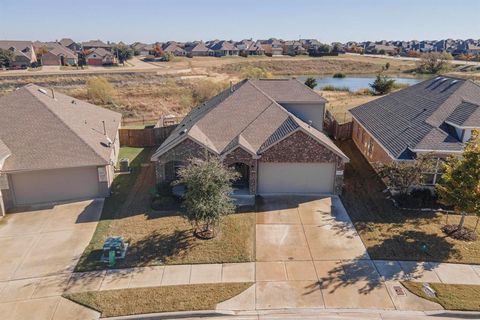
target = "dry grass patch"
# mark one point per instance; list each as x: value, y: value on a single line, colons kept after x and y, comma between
x: 123, y: 302
x: 450, y: 296
x: 393, y: 234
x: 340, y: 102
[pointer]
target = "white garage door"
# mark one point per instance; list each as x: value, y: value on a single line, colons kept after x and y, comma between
x: 55, y: 185
x: 295, y: 177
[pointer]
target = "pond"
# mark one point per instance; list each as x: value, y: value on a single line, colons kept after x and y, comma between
x: 354, y: 83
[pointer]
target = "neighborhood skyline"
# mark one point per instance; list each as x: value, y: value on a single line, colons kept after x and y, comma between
x: 147, y: 21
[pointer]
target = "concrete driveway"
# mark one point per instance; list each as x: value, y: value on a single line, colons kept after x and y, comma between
x: 309, y: 255
x: 39, y: 249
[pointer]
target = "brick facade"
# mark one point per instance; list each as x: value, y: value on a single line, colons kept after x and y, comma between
x: 370, y: 149
x: 298, y: 147
x: 165, y: 166
x: 241, y: 156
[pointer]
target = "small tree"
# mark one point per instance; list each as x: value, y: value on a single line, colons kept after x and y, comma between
x: 402, y: 176
x: 460, y: 186
x: 207, y: 196
x: 167, y: 56
x: 99, y: 90
x: 382, y: 85
x: 123, y: 53
x: 6, y: 58
x: 311, y: 82
x: 434, y: 62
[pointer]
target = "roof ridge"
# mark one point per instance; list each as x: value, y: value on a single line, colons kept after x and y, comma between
x: 63, y: 122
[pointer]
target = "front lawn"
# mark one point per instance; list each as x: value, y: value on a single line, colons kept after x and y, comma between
x: 164, y: 236
x: 393, y: 234
x: 450, y: 296
x: 123, y: 302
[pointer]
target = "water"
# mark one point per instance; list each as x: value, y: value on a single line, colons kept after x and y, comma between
x: 354, y: 83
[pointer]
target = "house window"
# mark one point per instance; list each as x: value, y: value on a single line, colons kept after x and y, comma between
x: 434, y: 176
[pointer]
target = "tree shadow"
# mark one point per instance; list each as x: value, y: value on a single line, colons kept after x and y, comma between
x: 157, y: 248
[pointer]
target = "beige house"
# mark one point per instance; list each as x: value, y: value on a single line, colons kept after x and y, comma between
x: 54, y: 148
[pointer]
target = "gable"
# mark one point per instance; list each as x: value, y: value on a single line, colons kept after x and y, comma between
x: 299, y: 147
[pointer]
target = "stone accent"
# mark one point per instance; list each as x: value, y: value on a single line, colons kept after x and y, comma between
x: 241, y: 156
x: 180, y: 153
x: 299, y: 147
x: 363, y: 140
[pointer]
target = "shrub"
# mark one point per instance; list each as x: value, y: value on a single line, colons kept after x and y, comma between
x: 434, y: 62
x: 100, y: 91
x: 311, y: 82
x: 382, y: 85
x: 333, y: 88
x: 339, y: 75
x: 250, y: 72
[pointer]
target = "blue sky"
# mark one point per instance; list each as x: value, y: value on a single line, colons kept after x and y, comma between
x: 327, y: 20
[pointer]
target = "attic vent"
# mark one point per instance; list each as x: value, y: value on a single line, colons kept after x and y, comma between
x: 73, y: 102
x: 444, y: 79
x: 454, y: 81
x: 183, y: 131
x: 42, y: 91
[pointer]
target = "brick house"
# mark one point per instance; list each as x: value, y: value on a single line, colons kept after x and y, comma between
x: 433, y: 117
x: 270, y: 131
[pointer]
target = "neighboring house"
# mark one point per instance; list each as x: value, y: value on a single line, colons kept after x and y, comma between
x: 174, y: 48
x: 23, y: 52
x: 249, y: 48
x: 59, y: 56
x: 198, y: 49
x: 95, y: 44
x: 100, y: 56
x: 434, y: 117
x: 261, y: 128
x: 54, y: 148
x: 293, y: 48
x: 70, y: 44
x: 224, y: 48
x: 382, y: 49
x: 272, y: 47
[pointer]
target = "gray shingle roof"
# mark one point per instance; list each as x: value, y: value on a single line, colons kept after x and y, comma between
x: 244, y: 116
x: 46, y: 132
x: 465, y: 115
x: 414, y: 118
x: 288, y: 90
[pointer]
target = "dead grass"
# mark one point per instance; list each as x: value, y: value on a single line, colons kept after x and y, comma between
x: 165, y: 237
x: 393, y: 234
x: 450, y: 296
x: 123, y: 302
x: 340, y: 102
x: 317, y: 66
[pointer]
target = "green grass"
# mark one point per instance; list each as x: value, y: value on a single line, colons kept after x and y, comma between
x: 134, y: 301
x: 450, y: 296
x: 120, y: 187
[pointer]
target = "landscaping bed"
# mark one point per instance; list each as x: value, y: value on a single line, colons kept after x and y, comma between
x: 450, y: 296
x: 391, y: 233
x: 157, y: 237
x: 123, y: 302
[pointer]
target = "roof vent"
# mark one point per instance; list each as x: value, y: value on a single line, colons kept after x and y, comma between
x: 454, y: 81
x: 42, y: 91
x: 183, y: 131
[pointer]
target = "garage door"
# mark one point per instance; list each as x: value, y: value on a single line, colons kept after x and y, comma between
x: 295, y: 177
x: 55, y: 185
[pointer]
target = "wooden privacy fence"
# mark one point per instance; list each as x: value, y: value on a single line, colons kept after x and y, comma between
x: 146, y: 137
x: 338, y: 131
